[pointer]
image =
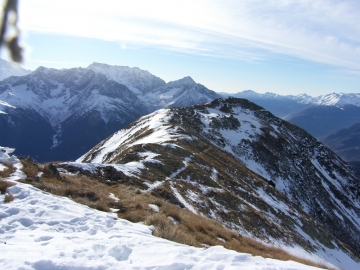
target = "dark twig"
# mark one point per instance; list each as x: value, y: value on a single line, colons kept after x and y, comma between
x: 12, y: 44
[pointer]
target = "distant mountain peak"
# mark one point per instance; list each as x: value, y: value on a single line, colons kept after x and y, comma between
x: 42, y: 69
x: 339, y: 99
x: 187, y: 80
x: 8, y: 69
x: 96, y: 66
x: 137, y: 80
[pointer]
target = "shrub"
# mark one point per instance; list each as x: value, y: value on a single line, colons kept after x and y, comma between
x: 9, y: 197
x: 6, y: 173
x: 30, y: 167
x: 4, y: 185
x: 166, y: 229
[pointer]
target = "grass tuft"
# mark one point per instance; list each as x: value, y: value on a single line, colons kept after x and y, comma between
x: 9, y: 170
x: 9, y: 197
x: 4, y: 185
x: 4, y: 174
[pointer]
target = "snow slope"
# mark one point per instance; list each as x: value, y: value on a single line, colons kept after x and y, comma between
x: 42, y: 231
x: 137, y: 80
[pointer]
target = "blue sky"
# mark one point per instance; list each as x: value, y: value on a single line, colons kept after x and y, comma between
x: 280, y: 46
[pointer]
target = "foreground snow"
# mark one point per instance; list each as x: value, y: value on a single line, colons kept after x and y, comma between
x: 42, y: 231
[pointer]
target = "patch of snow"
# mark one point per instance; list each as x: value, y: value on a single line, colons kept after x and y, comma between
x: 153, y: 185
x: 154, y: 207
x: 176, y: 222
x: 5, y: 155
x: 182, y: 200
x: 174, y: 174
x: 112, y: 196
x: 193, y: 196
x: 213, y: 174
x: 84, y: 166
x: 3, y: 167
x: 160, y: 134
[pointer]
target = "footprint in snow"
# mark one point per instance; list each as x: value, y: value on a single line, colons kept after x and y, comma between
x: 98, y: 248
x: 120, y: 252
x: 110, y: 223
x: 43, y: 238
x: 33, y: 202
x: 54, y: 207
x: 13, y: 211
x: 40, y: 213
x: 26, y: 222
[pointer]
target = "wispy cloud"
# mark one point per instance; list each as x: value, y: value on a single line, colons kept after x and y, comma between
x: 324, y: 31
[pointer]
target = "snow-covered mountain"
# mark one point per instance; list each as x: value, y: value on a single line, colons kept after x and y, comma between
x: 332, y: 99
x: 338, y: 99
x: 288, y: 105
x: 137, y: 80
x: 58, y: 94
x: 153, y: 91
x: 233, y: 161
x: 43, y: 231
x: 180, y: 93
x: 279, y: 105
x: 62, y: 113
x: 57, y: 114
x: 9, y: 69
x: 320, y: 116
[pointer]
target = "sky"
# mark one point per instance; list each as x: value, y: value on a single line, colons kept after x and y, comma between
x: 287, y: 47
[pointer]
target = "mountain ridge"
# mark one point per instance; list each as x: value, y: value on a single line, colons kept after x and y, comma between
x: 331, y: 99
x: 167, y: 150
x: 76, y: 108
x: 346, y: 142
x: 58, y: 95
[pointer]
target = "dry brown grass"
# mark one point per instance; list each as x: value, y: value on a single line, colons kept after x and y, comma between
x: 9, y: 197
x: 4, y: 185
x: 193, y: 229
x: 133, y: 205
x: 30, y: 168
x: 4, y: 174
x: 10, y: 169
x: 81, y: 189
x: 165, y: 228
